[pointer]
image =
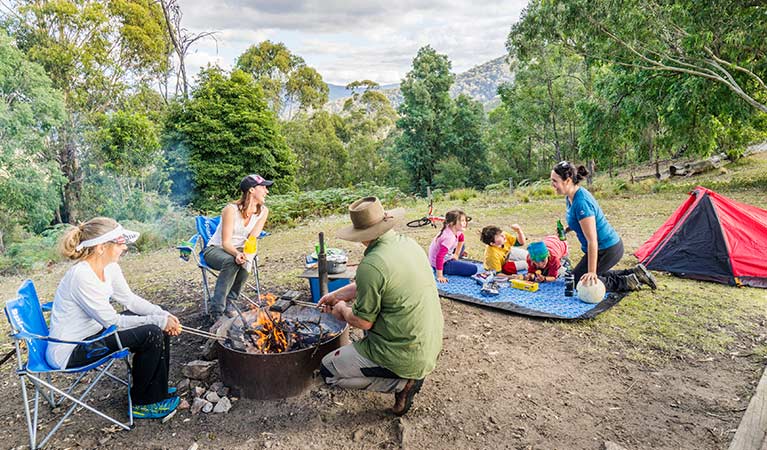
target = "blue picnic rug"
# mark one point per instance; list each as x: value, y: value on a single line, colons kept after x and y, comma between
x: 548, y: 301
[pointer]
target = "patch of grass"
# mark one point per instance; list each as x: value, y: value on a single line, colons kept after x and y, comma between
x: 682, y: 318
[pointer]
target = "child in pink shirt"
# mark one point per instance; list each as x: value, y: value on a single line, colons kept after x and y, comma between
x: 442, y: 251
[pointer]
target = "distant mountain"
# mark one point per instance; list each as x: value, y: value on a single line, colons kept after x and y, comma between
x: 480, y: 83
x: 337, y: 91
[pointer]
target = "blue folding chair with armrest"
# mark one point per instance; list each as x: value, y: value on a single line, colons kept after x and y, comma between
x: 206, y: 227
x: 28, y: 325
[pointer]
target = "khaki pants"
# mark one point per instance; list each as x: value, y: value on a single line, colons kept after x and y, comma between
x: 348, y: 369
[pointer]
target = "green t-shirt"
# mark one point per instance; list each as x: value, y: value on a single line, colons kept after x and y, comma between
x: 397, y: 292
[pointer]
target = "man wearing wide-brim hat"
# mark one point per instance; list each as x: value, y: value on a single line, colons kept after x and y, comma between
x: 395, y: 299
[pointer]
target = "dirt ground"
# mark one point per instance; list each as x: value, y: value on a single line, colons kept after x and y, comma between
x: 503, y: 381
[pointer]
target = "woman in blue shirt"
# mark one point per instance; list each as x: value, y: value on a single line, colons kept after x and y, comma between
x: 602, y: 246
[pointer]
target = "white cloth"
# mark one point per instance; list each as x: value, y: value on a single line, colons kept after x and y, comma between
x: 81, y: 308
x: 241, y: 230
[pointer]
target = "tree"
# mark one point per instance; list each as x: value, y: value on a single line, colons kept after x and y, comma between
x: 368, y: 118
x: 181, y: 40
x: 30, y: 109
x: 469, y: 148
x: 538, y: 123
x: 425, y: 116
x: 721, y: 41
x: 224, y: 132
x: 284, y: 77
x: 91, y: 50
x: 323, y: 157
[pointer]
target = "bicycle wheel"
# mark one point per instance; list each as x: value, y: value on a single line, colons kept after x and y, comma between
x: 423, y: 221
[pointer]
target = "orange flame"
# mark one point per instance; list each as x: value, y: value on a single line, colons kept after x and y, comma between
x: 269, y: 338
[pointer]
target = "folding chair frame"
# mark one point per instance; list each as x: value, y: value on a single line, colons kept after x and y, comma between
x: 39, y: 384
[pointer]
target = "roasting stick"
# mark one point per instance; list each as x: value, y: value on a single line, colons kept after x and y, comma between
x: 203, y: 333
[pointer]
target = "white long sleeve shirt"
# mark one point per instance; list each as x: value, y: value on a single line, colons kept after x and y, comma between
x: 81, y: 308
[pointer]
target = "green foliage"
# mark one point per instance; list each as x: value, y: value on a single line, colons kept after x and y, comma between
x: 451, y: 174
x: 425, y: 117
x: 631, y: 82
x: 30, y: 108
x: 284, y: 77
x: 92, y: 51
x: 463, y: 195
x: 224, y: 132
x: 32, y: 251
x: 467, y: 144
x: 323, y: 157
x: 128, y: 144
x: 288, y: 209
x: 537, y: 124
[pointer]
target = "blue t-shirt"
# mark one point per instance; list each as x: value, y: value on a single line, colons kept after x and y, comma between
x: 585, y: 205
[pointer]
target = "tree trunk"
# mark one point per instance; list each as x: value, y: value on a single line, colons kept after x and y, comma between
x: 552, y: 115
x: 69, y: 164
x: 529, y: 155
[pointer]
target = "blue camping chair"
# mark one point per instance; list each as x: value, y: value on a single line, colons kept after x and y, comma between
x: 28, y: 325
x: 206, y: 227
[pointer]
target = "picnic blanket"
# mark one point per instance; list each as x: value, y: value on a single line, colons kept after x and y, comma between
x: 548, y: 302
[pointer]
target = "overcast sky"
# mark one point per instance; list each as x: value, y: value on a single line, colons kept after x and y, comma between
x: 355, y: 39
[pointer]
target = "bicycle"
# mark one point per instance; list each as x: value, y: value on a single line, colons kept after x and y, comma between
x: 429, y: 218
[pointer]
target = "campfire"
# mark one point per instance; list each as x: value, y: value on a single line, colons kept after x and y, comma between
x: 276, y: 354
x: 274, y: 332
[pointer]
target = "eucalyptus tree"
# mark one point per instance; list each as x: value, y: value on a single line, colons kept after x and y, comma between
x: 30, y: 109
x: 369, y: 118
x: 322, y: 155
x: 720, y: 41
x: 284, y: 78
x: 92, y: 51
x: 425, y: 117
x: 468, y: 146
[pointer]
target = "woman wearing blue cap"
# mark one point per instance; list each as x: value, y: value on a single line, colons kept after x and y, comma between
x: 239, y: 220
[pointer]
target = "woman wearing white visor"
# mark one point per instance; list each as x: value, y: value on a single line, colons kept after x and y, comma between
x: 82, y: 310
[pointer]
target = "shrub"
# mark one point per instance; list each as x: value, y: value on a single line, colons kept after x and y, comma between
x: 462, y: 194
x: 34, y: 252
x: 291, y: 208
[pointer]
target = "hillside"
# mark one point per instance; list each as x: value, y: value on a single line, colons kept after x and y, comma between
x: 480, y: 83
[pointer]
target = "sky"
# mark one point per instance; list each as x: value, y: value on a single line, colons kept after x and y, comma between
x: 355, y: 39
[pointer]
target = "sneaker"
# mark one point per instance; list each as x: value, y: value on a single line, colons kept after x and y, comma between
x: 230, y: 311
x: 172, y: 390
x: 632, y: 283
x: 156, y: 410
x: 644, y: 276
x: 403, y: 399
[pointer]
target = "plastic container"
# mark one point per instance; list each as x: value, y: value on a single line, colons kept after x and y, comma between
x: 524, y: 285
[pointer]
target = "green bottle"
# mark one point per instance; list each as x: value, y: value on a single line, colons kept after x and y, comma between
x: 561, y: 231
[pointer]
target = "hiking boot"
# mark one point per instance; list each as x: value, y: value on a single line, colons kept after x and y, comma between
x: 403, y: 399
x: 632, y: 282
x: 644, y: 276
x: 156, y: 410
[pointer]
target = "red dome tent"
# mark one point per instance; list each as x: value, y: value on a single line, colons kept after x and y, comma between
x: 711, y: 237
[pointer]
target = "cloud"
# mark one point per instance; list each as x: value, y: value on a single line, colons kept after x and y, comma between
x: 346, y: 41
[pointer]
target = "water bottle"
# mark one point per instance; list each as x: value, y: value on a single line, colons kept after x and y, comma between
x: 561, y: 231
x: 250, y: 249
x: 569, y: 283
